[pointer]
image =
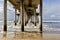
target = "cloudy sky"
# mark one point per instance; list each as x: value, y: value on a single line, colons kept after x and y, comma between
x: 10, y: 11
x: 51, y: 10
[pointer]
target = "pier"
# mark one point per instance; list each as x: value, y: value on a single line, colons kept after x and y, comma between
x: 26, y: 9
x: 25, y: 27
x: 27, y: 23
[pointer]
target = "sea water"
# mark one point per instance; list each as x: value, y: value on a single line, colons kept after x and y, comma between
x: 9, y: 23
x: 51, y: 27
x: 47, y: 26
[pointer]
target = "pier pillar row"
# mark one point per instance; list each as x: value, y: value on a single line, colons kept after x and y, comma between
x: 35, y: 16
x: 15, y: 16
x: 41, y: 15
x: 22, y: 25
x: 5, y: 15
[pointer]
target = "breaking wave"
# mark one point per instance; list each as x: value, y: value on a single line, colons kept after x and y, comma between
x: 47, y: 28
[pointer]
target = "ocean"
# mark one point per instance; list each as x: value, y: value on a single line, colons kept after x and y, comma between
x: 8, y: 23
x: 47, y: 26
x: 51, y: 27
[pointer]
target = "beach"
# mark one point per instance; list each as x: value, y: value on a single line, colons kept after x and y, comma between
x: 50, y: 32
x: 51, y: 36
x: 29, y: 36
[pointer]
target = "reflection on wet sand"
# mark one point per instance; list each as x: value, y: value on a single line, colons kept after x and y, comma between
x: 20, y: 36
x: 28, y: 36
x: 51, y: 36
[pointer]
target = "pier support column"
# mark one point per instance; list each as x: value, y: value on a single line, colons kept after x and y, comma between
x: 41, y: 15
x: 35, y: 17
x: 22, y: 28
x: 5, y: 15
x: 15, y: 16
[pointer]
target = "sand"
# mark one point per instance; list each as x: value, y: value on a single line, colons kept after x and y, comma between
x: 29, y: 36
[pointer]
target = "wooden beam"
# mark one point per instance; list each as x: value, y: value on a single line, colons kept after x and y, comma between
x: 22, y: 28
x: 14, y: 3
x: 30, y: 8
x: 41, y: 15
x: 35, y: 17
x: 5, y: 15
x: 15, y: 16
x: 30, y: 3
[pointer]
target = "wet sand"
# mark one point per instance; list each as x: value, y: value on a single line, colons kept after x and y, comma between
x: 51, y: 36
x: 29, y: 36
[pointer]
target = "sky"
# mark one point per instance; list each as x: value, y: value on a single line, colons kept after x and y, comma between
x: 51, y: 10
x: 10, y: 11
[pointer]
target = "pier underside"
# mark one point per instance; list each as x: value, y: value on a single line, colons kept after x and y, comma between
x: 26, y: 15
